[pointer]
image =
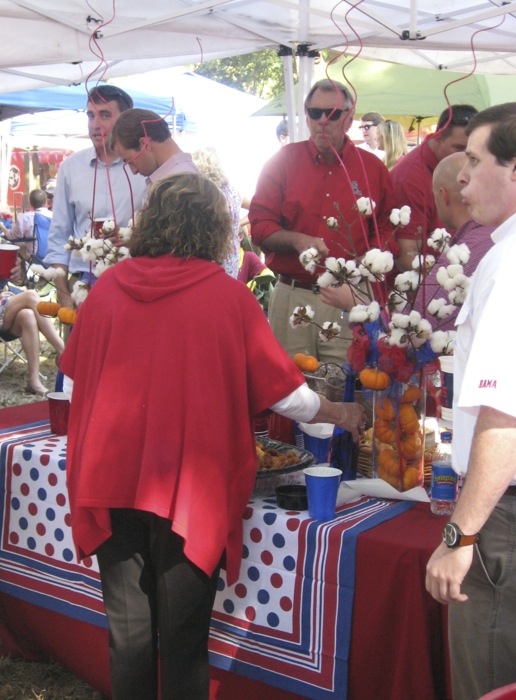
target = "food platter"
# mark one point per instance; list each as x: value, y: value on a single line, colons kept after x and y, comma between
x: 268, y: 479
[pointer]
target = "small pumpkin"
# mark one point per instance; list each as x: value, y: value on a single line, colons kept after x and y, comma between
x: 411, y: 394
x: 384, y: 409
x: 408, y: 418
x: 410, y: 444
x: 391, y: 462
x: 306, y: 363
x: 392, y: 479
x: 411, y: 478
x: 373, y: 378
x: 385, y: 430
x: 48, y: 308
x: 67, y: 315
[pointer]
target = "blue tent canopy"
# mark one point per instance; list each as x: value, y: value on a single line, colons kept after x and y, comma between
x: 72, y: 97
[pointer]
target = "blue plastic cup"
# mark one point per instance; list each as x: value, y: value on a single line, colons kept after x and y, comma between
x: 322, y: 485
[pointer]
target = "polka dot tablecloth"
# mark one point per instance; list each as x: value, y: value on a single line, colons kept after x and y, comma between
x: 287, y: 621
x: 37, y: 553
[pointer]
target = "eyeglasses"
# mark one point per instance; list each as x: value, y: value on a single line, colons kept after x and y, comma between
x: 332, y: 114
x: 366, y: 127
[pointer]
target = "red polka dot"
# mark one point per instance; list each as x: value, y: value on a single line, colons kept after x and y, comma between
x: 248, y: 513
x: 14, y: 538
x: 250, y: 613
x: 24, y: 489
x: 87, y: 562
x: 33, y: 509
x: 44, y: 460
x: 255, y: 535
x: 68, y: 520
x: 16, y: 469
x: 61, y: 499
x: 292, y: 524
x: 49, y: 550
x: 276, y: 581
x: 52, y: 479
x: 266, y: 557
x: 41, y: 529
x: 285, y: 604
x: 240, y: 590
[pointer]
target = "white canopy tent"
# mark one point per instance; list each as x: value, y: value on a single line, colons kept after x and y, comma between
x: 56, y: 43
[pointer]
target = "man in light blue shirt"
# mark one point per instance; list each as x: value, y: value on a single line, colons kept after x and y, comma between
x: 92, y: 184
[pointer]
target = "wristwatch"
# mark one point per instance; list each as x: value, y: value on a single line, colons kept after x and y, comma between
x: 454, y: 537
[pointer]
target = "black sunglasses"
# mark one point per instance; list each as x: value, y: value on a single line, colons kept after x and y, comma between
x: 332, y: 114
x: 366, y: 127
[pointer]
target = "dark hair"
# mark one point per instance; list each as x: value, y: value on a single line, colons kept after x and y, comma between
x: 37, y: 198
x: 461, y: 115
x: 374, y: 117
x: 187, y: 216
x: 110, y: 93
x: 282, y: 129
x: 135, y: 124
x: 502, y: 139
x: 330, y: 86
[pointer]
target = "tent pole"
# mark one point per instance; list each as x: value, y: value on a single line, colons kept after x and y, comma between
x: 288, y: 78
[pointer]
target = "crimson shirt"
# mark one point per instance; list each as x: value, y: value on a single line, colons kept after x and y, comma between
x: 298, y: 191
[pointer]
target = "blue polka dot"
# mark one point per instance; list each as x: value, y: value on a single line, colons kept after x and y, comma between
x: 289, y: 563
x: 228, y: 606
x: 27, y: 454
x: 34, y: 474
x: 278, y: 540
x: 263, y: 596
x: 272, y: 620
x: 31, y: 543
x: 245, y: 552
x: 271, y: 500
x: 62, y: 465
x: 221, y: 585
x: 23, y: 524
x: 51, y: 514
x: 253, y: 573
x: 269, y: 507
x: 67, y: 555
x: 270, y: 518
x: 59, y: 535
x: 15, y: 503
x: 42, y: 494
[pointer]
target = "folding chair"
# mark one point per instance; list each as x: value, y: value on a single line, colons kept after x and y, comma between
x: 39, y: 242
x: 11, y: 349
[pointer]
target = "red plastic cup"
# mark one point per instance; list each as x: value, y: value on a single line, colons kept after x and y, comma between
x: 281, y: 428
x: 8, y: 255
x: 58, y: 409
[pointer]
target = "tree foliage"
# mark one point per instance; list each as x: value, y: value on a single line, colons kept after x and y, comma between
x: 259, y: 73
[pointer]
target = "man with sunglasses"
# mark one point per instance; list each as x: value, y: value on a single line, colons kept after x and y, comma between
x: 369, y: 127
x: 302, y: 187
x: 412, y: 180
x: 90, y: 184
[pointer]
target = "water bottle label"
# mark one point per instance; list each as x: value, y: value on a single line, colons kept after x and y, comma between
x: 444, y: 483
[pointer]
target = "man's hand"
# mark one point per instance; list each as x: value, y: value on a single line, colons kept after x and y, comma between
x: 303, y: 242
x: 63, y: 292
x: 445, y: 573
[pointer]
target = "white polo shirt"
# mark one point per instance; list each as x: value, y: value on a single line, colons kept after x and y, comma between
x: 486, y: 343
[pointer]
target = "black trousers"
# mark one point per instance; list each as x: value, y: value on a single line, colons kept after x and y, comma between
x: 158, y: 605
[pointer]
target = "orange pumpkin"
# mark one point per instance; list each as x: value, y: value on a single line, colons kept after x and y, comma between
x: 391, y: 462
x: 408, y: 418
x: 306, y: 363
x: 410, y: 444
x: 48, y: 308
x: 392, y: 479
x: 67, y: 315
x: 385, y: 430
x: 411, y: 478
x: 384, y: 409
x: 373, y: 378
x: 411, y: 394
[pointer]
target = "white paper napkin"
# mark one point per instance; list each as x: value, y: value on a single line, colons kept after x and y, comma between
x: 378, y: 488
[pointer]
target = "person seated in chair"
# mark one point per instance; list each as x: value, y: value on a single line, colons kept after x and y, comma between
x: 23, y: 229
x: 19, y: 318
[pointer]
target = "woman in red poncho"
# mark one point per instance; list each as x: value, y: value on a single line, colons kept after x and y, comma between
x: 171, y: 358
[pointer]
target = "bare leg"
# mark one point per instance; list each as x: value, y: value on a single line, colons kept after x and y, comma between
x: 26, y: 327
x: 30, y: 300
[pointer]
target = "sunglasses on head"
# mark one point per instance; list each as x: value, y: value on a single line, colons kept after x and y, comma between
x: 108, y: 92
x: 332, y: 114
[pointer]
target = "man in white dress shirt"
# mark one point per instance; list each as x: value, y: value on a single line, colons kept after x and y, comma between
x: 369, y: 128
x: 474, y: 569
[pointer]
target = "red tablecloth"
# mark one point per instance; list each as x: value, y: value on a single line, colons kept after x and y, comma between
x: 398, y: 645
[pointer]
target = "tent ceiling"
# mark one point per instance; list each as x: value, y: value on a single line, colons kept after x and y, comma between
x: 50, y: 43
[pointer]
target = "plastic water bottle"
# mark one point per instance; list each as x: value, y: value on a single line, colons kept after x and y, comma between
x: 444, y: 479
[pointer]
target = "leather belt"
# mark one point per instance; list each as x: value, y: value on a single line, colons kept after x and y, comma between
x: 314, y: 288
x: 510, y: 491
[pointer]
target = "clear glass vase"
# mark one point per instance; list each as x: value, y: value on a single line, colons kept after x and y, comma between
x: 399, y: 433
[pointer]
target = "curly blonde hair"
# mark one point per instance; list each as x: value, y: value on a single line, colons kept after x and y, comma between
x: 209, y: 164
x: 186, y: 216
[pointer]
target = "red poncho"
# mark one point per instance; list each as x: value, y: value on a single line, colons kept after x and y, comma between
x: 171, y: 358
